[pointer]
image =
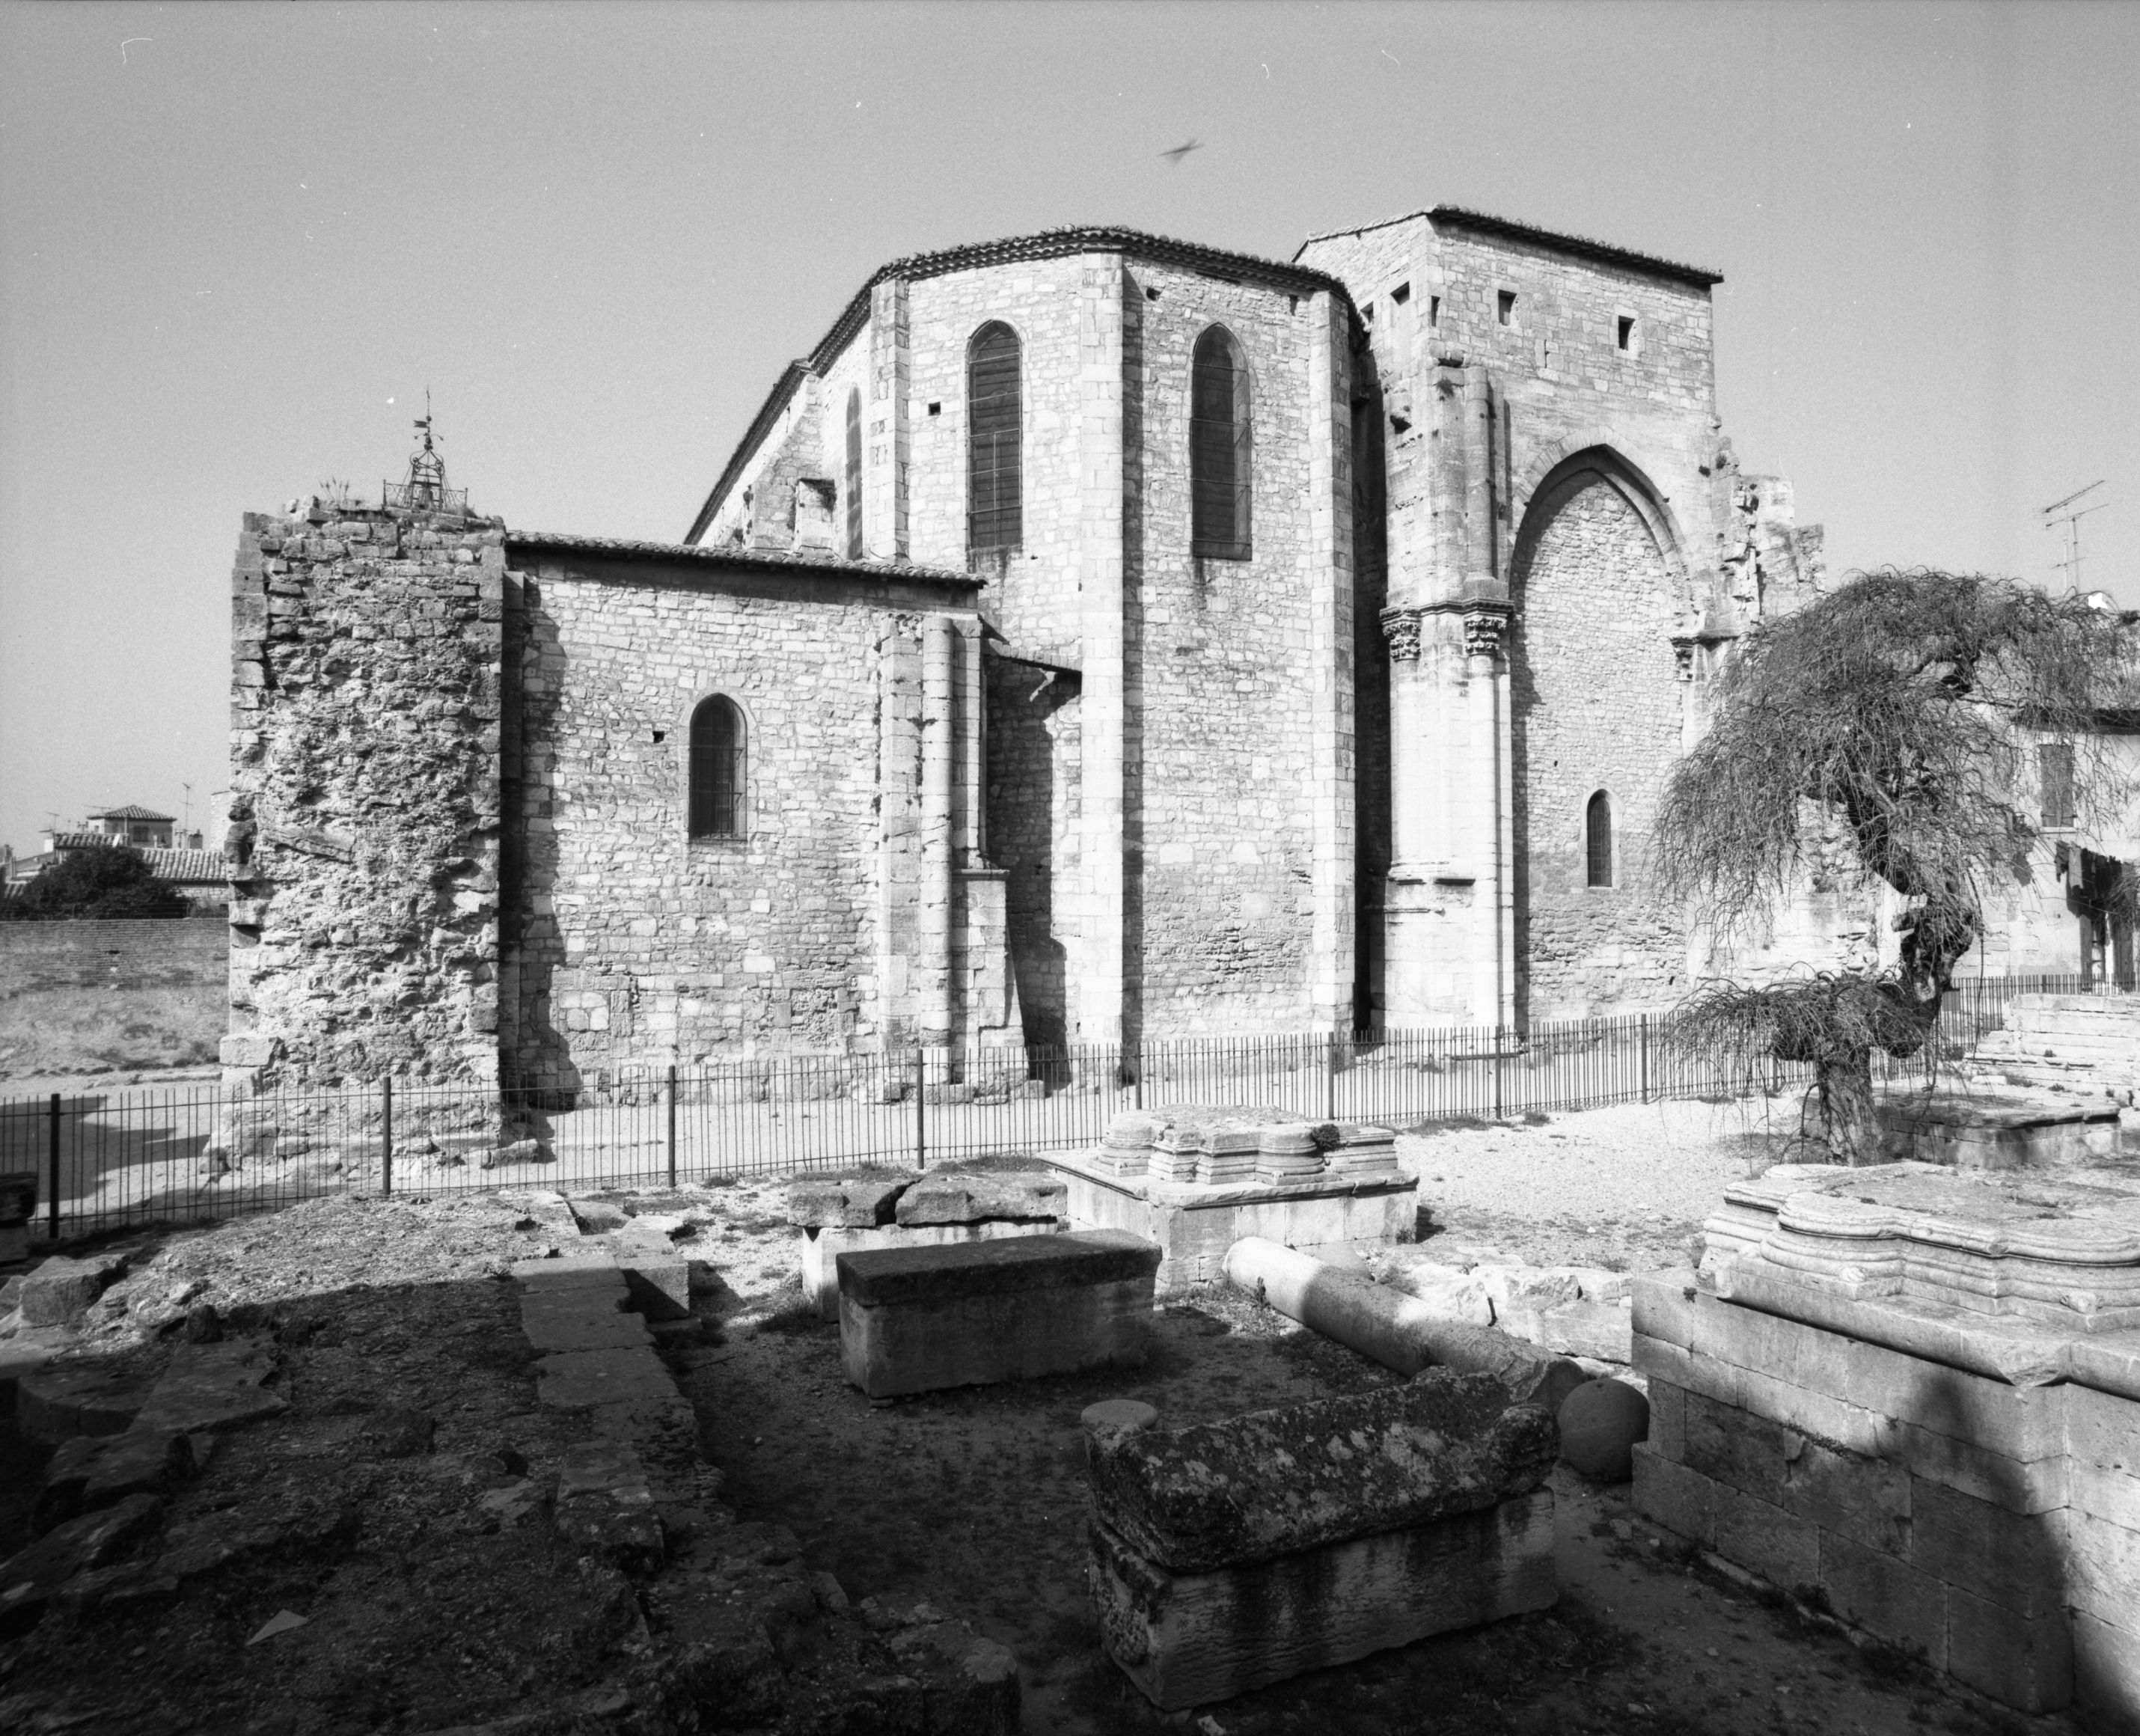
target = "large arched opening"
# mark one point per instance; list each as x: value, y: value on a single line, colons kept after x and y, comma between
x: 1598, y: 584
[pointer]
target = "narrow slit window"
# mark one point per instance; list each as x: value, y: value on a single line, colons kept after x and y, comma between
x: 2055, y: 760
x: 1626, y: 333
x: 1434, y: 309
x: 1505, y: 305
x: 1598, y: 840
x: 854, y: 476
x: 1221, y: 449
x: 993, y: 497
x: 716, y: 793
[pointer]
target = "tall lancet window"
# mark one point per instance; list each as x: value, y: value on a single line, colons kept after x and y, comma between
x: 1598, y: 840
x: 994, y: 516
x: 716, y: 769
x: 854, y: 476
x: 1221, y: 449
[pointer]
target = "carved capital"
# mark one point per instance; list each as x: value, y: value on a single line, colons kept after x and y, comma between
x: 1401, y: 627
x: 1485, y: 631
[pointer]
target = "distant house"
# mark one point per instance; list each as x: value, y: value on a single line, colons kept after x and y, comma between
x: 139, y: 826
x: 195, y: 874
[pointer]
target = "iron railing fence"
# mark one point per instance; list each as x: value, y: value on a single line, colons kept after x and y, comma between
x: 145, y: 1155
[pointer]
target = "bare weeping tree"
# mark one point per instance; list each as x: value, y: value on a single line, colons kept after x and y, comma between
x: 1894, y: 723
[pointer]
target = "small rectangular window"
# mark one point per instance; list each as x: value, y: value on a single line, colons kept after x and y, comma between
x: 1434, y: 309
x: 1505, y: 306
x: 1401, y: 294
x: 1627, y: 331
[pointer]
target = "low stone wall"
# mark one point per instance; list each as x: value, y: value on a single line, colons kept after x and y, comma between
x: 1994, y: 1529
x: 95, y: 996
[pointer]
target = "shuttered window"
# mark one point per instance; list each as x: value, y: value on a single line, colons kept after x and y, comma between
x: 716, y: 770
x: 854, y: 478
x: 1220, y: 448
x: 1598, y: 840
x: 993, y: 516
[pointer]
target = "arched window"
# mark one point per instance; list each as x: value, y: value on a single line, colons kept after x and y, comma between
x: 854, y: 478
x: 993, y: 516
x: 1221, y: 449
x: 1598, y: 840
x: 716, y: 770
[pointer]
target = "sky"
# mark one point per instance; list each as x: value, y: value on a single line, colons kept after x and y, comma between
x: 239, y: 244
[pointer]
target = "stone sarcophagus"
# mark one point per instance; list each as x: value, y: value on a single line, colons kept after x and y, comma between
x: 1229, y: 1555
x: 971, y: 1313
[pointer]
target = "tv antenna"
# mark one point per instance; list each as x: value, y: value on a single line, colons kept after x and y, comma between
x: 2056, y: 514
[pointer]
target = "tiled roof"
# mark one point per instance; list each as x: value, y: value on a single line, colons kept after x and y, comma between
x: 789, y: 560
x: 1456, y: 217
x: 1012, y: 249
x: 182, y: 867
x: 130, y: 812
x: 185, y: 867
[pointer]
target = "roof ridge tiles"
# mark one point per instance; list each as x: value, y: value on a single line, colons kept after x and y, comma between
x: 728, y: 554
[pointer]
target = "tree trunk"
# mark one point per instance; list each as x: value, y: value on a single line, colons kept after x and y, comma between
x: 1849, y: 1123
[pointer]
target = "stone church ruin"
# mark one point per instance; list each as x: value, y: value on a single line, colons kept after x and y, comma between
x: 1096, y: 638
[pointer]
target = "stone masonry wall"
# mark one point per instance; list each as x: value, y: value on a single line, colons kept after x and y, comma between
x: 1223, y: 674
x: 364, y: 799
x: 640, y: 946
x: 636, y: 946
x: 1596, y: 706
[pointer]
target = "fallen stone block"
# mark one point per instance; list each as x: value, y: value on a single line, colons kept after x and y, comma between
x: 1025, y: 1196
x: 61, y: 1290
x: 1449, y: 1292
x: 56, y: 1405
x: 1187, y: 1640
x: 1602, y: 1330
x: 583, y: 1380
x: 209, y: 1387
x: 142, y: 1461
x: 968, y: 1685
x: 918, y: 1319
x: 849, y: 1202
x: 1272, y: 1482
x: 30, y: 1580
x: 657, y: 1273
x: 1528, y: 1289
x: 202, y: 1546
x: 581, y: 1321
x: 1229, y: 1555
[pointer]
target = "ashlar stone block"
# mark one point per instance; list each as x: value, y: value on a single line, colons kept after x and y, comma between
x: 1188, y: 1638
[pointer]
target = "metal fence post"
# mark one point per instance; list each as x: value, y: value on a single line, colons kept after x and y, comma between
x: 53, y: 1181
x: 1330, y: 1077
x: 1642, y: 1021
x: 920, y: 1107
x: 386, y: 1139
x: 672, y: 1125
x: 1498, y: 1040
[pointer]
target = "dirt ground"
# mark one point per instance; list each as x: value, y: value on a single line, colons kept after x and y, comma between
x: 435, y: 1593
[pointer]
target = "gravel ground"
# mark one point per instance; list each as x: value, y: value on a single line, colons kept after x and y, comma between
x: 1624, y: 1188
